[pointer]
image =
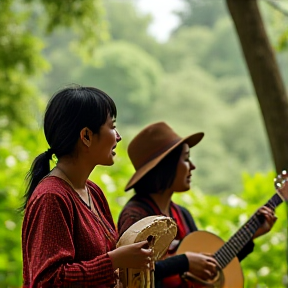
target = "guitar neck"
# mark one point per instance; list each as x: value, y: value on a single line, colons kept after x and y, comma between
x: 235, y: 244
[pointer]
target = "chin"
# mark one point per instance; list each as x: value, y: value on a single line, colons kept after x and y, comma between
x: 183, y: 189
x: 108, y: 163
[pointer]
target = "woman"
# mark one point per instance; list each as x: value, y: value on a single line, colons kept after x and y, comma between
x: 161, y: 160
x: 68, y: 234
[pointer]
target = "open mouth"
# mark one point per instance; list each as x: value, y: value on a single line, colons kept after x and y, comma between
x: 113, y: 152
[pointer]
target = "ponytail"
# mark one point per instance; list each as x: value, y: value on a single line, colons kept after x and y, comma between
x: 39, y: 169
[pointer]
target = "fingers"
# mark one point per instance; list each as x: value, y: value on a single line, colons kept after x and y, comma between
x: 209, y: 273
x: 143, y: 244
x: 211, y: 270
x: 144, y: 247
x: 210, y: 259
x: 146, y: 253
x: 268, y: 213
x: 265, y: 209
x: 132, y: 256
x: 203, y: 266
x: 269, y: 220
x: 214, y: 263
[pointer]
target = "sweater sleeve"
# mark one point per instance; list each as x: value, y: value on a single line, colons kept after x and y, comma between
x: 246, y: 250
x: 49, y: 251
x: 130, y: 215
x: 173, y: 265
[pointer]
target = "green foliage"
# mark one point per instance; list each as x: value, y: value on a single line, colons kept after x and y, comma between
x: 283, y: 41
x: 236, y: 140
x: 132, y: 27
x: 222, y: 60
x: 276, y: 14
x: 195, y: 81
x: 19, y: 59
x: 20, y: 47
x: 201, y: 13
x: 129, y: 75
x: 15, y: 159
x: 187, y: 45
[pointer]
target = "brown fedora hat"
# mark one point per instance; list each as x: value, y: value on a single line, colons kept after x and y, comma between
x: 151, y: 145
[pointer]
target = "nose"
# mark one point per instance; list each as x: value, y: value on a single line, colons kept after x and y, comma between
x: 192, y: 166
x: 118, y: 136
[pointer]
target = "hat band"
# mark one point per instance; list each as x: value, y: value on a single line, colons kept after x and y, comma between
x: 159, y: 152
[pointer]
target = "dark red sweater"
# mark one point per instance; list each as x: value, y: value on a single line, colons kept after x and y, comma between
x: 64, y: 243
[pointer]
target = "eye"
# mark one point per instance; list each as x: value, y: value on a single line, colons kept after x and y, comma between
x: 188, y: 159
x: 113, y: 124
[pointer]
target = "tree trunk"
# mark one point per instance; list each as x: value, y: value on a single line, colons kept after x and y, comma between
x: 265, y: 74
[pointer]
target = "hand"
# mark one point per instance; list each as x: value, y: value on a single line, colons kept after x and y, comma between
x: 270, y: 220
x: 202, y: 266
x: 136, y: 255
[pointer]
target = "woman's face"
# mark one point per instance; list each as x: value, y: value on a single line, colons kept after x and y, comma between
x: 183, y: 175
x: 105, y: 142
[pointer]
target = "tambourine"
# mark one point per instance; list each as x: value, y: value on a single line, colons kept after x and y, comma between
x: 160, y: 232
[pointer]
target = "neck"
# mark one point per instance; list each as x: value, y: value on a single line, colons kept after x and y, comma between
x: 76, y: 180
x: 163, y: 201
x: 74, y: 172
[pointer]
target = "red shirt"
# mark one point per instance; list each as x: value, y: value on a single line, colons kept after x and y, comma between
x: 64, y: 243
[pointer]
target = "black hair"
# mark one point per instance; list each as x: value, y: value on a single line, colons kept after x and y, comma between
x: 68, y: 112
x: 160, y: 177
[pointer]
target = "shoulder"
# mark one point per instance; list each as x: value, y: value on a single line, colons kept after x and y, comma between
x: 52, y: 200
x: 52, y: 189
x: 133, y: 211
x: 182, y: 209
x: 141, y: 204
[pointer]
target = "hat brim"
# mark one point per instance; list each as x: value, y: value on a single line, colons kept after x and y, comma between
x: 191, y: 140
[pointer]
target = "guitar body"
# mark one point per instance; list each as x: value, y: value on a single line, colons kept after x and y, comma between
x: 205, y: 242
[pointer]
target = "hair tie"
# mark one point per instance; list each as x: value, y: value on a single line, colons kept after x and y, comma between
x: 49, y: 153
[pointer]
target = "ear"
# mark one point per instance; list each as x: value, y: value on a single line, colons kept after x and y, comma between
x: 86, y: 136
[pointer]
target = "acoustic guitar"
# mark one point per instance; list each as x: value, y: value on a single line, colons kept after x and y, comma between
x: 229, y: 273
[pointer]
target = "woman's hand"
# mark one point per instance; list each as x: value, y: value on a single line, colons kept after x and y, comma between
x: 270, y: 220
x: 136, y: 255
x: 202, y: 266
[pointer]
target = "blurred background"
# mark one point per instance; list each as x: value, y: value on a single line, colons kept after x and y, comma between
x: 177, y: 61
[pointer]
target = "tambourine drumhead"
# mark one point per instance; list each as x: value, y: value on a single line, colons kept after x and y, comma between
x: 162, y: 228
